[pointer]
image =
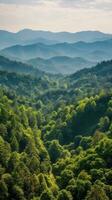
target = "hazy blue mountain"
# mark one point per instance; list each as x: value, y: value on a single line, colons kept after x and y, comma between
x: 61, y: 64
x: 85, y: 50
x: 18, y: 67
x: 8, y: 39
x: 28, y: 36
x: 31, y: 51
x: 99, y: 55
x: 87, y: 36
x: 40, y: 40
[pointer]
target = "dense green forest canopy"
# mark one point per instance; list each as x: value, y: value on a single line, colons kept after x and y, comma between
x: 56, y: 135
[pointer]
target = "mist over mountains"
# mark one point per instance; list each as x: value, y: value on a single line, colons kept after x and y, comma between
x: 60, y: 64
x: 18, y: 67
x: 60, y: 52
x: 28, y: 36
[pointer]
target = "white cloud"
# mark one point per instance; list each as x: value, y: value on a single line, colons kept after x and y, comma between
x: 90, y: 4
x: 56, y: 15
x: 17, y: 2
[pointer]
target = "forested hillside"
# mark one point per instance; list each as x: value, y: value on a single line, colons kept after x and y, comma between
x: 18, y: 67
x: 56, y: 135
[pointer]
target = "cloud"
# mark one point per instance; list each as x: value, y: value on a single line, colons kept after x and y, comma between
x: 21, y: 2
x: 56, y: 15
x: 90, y: 4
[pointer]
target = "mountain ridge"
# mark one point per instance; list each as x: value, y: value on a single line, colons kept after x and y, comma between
x: 18, y: 67
x: 78, y: 49
x: 26, y: 36
x: 61, y: 64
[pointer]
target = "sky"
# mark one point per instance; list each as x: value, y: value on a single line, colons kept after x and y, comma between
x: 56, y: 15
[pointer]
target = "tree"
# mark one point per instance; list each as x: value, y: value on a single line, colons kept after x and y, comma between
x: 65, y: 177
x: 104, y: 123
x: 55, y: 150
x: 64, y: 195
x: 4, y: 152
x: 3, y: 190
x: 14, y: 144
x: 46, y: 195
x: 18, y: 193
x: 3, y: 131
x: 96, y: 193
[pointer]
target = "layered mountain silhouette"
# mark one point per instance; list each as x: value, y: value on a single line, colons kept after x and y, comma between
x: 28, y: 36
x: 99, y: 50
x: 61, y: 64
x: 60, y: 52
x: 92, y: 52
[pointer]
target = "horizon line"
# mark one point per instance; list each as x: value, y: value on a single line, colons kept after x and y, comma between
x: 46, y: 30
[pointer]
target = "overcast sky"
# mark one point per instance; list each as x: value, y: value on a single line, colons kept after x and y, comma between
x: 56, y: 15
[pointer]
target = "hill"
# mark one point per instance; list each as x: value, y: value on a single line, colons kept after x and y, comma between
x: 18, y: 67
x: 28, y: 36
x: 57, y: 88
x: 56, y: 135
x: 60, y: 64
x: 79, y: 49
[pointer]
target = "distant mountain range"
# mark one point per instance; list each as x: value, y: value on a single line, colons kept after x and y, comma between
x: 95, y: 51
x: 28, y: 36
x: 37, y: 67
x: 61, y: 64
x: 50, y: 52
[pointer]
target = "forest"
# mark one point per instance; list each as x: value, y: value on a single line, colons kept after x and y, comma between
x: 56, y: 134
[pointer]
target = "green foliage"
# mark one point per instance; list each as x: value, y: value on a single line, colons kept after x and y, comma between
x: 46, y: 195
x: 56, y: 136
x: 55, y: 150
x: 97, y: 192
x: 64, y: 195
